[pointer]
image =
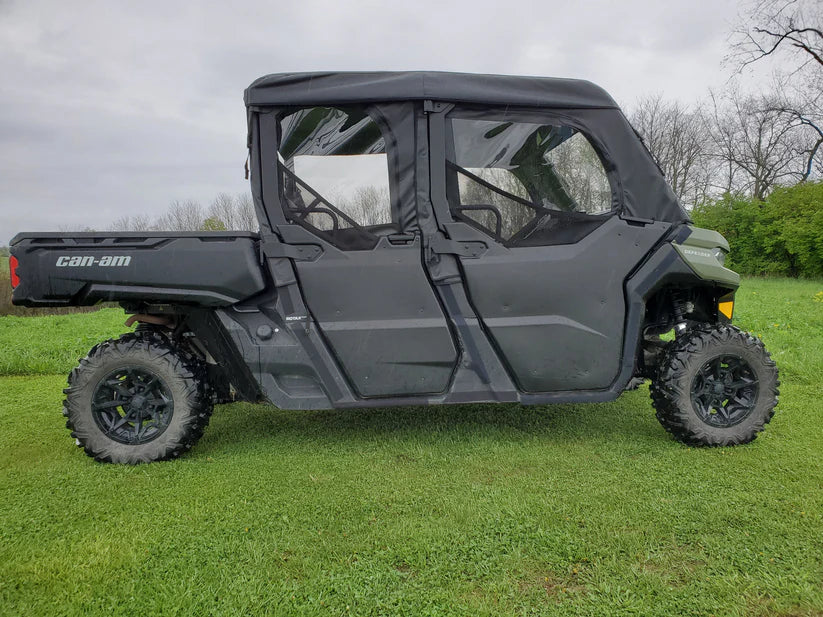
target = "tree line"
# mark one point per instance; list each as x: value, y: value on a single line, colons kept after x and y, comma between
x: 747, y: 144
x: 225, y: 212
x: 737, y: 144
x: 751, y: 165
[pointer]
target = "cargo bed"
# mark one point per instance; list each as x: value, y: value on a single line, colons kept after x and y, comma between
x: 195, y: 268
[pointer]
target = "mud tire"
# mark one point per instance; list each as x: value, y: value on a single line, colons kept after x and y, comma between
x: 181, y: 373
x: 671, y: 391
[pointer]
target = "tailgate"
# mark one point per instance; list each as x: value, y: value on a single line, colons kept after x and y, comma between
x: 196, y: 268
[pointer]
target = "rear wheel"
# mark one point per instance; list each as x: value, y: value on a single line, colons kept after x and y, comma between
x: 137, y: 399
x: 716, y: 386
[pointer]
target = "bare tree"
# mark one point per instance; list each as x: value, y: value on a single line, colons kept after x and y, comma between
x: 789, y: 31
x: 804, y: 108
x: 678, y: 138
x: 75, y: 228
x: 222, y: 208
x: 368, y: 205
x: 757, y: 145
x: 245, y: 213
x: 182, y: 216
x: 236, y: 212
x: 803, y: 120
x: 790, y: 28
x: 136, y: 222
x: 578, y: 168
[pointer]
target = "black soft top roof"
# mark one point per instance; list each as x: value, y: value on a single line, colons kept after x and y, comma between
x: 371, y: 87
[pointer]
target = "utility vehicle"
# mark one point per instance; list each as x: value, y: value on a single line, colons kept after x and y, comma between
x: 424, y: 238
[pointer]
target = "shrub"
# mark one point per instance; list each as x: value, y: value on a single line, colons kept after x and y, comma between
x: 782, y: 235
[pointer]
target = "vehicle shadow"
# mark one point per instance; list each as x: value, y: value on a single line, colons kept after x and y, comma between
x: 630, y: 417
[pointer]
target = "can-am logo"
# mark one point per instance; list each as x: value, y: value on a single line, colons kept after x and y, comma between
x: 77, y: 261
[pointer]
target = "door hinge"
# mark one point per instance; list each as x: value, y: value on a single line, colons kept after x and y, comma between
x: 430, y: 106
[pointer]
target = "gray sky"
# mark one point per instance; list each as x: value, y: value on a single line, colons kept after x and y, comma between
x: 111, y: 108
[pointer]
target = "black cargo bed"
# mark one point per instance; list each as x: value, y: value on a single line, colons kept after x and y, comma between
x: 81, y: 269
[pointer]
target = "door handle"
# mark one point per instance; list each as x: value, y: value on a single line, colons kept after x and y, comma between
x: 400, y: 239
x: 297, y: 252
x: 470, y: 249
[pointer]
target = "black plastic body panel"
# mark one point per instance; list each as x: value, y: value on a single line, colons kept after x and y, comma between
x: 380, y: 315
x: 207, y: 269
x: 296, y: 370
x: 556, y: 313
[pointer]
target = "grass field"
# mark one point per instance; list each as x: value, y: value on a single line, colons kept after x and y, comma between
x: 470, y: 510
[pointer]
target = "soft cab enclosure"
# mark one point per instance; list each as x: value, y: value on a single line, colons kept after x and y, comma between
x: 492, y: 274
x: 642, y: 191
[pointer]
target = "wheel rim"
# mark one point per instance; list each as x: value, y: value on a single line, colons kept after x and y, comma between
x: 724, y: 391
x: 132, y: 405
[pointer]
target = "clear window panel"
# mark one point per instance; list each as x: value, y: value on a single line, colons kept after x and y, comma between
x: 335, y: 175
x: 521, y: 180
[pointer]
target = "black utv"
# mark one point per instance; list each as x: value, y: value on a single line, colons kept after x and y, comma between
x: 424, y: 238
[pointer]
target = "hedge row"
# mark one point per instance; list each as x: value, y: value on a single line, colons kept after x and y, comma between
x: 782, y: 235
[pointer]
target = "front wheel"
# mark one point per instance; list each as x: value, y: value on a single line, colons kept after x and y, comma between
x: 137, y: 399
x: 716, y: 386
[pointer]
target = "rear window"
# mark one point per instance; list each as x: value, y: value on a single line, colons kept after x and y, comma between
x: 335, y: 175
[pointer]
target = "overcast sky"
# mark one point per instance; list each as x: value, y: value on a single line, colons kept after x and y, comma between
x: 111, y: 108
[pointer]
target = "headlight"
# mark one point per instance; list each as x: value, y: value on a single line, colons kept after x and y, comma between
x: 719, y: 255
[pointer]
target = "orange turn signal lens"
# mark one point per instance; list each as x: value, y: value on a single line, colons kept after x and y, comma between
x: 727, y: 308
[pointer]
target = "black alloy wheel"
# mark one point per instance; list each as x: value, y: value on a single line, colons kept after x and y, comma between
x: 132, y: 405
x: 724, y: 391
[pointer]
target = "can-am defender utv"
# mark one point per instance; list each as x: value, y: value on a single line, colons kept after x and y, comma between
x: 425, y: 238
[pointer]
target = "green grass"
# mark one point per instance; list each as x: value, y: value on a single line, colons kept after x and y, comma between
x: 470, y: 510
x: 788, y: 315
x: 54, y: 343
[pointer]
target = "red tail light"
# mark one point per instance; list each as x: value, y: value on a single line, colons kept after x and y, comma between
x: 15, y: 280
